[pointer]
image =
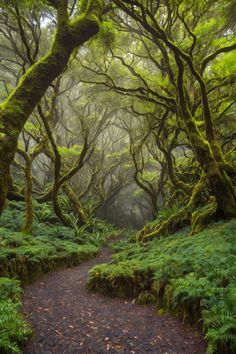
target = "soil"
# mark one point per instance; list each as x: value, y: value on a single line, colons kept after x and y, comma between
x: 67, y: 319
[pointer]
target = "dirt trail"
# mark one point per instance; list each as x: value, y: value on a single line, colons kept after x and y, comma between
x: 67, y: 319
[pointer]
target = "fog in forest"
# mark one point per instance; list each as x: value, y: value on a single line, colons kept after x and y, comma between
x: 117, y: 147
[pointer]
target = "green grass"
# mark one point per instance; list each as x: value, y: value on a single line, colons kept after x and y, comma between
x: 194, y: 276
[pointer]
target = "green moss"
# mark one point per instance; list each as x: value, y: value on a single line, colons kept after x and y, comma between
x: 2, y: 136
x: 84, y: 4
x: 107, y: 34
x: 27, y: 257
x: 201, y: 218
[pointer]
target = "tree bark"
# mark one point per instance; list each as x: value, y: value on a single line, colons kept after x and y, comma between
x: 76, y: 205
x: 29, y: 211
x: 218, y: 180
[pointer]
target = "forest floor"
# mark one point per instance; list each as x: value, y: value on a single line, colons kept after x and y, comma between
x: 68, y: 319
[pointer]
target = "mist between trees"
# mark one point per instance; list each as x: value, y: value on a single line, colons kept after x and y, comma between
x: 124, y: 110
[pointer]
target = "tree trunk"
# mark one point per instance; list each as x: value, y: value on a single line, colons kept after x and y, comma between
x: 218, y: 179
x: 29, y: 215
x: 75, y: 203
x: 155, y: 210
x: 57, y: 208
x: 210, y: 162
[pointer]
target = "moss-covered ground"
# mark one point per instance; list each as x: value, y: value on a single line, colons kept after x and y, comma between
x: 191, y: 276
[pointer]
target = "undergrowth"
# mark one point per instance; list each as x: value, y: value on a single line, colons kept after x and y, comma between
x: 194, y: 276
x: 27, y: 257
x: 46, y: 223
x: 13, y: 329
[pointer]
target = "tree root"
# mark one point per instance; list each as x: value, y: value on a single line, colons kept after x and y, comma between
x: 202, y: 217
x: 181, y: 218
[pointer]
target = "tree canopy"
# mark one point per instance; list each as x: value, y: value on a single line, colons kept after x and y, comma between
x: 145, y: 107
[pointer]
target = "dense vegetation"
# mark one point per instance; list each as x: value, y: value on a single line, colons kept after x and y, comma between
x: 13, y: 329
x: 121, y: 112
x: 189, y: 275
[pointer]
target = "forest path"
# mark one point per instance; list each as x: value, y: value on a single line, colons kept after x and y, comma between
x: 67, y: 319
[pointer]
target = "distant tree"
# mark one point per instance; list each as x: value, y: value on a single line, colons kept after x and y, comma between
x: 172, y: 59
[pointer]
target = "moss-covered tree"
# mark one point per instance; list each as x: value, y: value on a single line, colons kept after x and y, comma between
x: 170, y: 41
x: 15, y: 110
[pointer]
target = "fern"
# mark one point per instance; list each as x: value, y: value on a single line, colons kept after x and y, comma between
x: 13, y: 329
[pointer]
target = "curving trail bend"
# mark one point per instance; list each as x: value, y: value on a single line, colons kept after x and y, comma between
x: 67, y: 319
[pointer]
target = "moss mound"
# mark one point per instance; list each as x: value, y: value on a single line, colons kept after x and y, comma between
x: 27, y: 257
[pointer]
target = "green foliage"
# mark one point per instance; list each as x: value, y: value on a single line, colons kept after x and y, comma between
x: 54, y: 231
x: 70, y: 154
x: 13, y: 216
x: 44, y: 212
x: 127, y: 241
x: 13, y: 329
x: 107, y: 34
x: 203, y: 28
x: 225, y: 64
x: 190, y: 275
x: 27, y: 257
x: 10, y: 288
x: 96, y: 238
x: 96, y: 232
x: 166, y: 212
x: 149, y: 176
x: 32, y: 128
x: 220, y: 321
x: 12, y: 219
